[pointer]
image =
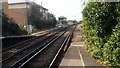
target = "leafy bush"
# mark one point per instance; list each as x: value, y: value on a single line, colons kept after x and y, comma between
x: 10, y: 28
x: 112, y: 48
x: 100, y: 26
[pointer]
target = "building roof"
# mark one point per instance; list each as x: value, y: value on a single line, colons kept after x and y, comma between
x: 19, y: 3
x: 27, y: 3
x: 61, y: 17
x: 4, y: 0
x: 43, y: 8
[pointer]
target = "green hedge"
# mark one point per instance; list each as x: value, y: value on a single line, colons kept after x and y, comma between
x: 102, y: 31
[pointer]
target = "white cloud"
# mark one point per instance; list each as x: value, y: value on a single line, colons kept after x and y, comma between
x: 68, y: 8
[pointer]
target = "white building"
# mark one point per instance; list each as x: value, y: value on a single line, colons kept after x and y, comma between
x: 62, y: 19
x: 71, y: 22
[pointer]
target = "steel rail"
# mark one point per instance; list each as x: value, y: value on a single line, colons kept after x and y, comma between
x: 66, y: 41
x: 27, y: 58
x: 36, y: 49
x: 31, y: 39
x: 23, y: 42
x: 25, y: 47
x: 19, y: 51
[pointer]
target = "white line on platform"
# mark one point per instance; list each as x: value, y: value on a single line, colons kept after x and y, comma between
x: 81, y: 57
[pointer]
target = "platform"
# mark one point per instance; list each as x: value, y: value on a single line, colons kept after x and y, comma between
x: 72, y: 57
x: 77, y: 56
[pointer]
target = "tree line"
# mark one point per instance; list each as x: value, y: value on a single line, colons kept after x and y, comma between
x: 36, y: 18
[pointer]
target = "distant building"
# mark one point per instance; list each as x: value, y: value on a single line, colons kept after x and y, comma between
x: 80, y: 21
x: 44, y: 13
x: 71, y: 22
x: 62, y: 20
x: 4, y: 7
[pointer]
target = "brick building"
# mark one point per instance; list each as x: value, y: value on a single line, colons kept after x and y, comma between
x: 18, y: 11
x: 4, y: 7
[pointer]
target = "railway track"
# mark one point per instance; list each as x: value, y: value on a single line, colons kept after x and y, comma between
x: 22, y: 42
x: 44, y: 49
x: 29, y: 40
x: 11, y: 51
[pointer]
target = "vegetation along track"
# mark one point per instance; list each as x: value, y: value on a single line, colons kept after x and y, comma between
x: 29, y: 49
x: 46, y: 56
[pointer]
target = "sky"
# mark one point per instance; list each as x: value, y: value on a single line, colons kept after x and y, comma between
x: 71, y: 9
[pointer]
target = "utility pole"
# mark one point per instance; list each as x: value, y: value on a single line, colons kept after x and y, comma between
x: 29, y: 26
x: 42, y: 11
x: 41, y: 3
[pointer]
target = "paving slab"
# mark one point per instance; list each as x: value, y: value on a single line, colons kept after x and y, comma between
x: 89, y: 62
x: 71, y: 58
x: 77, y: 56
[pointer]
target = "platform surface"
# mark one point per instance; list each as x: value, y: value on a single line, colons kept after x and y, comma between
x: 77, y: 56
x: 72, y: 57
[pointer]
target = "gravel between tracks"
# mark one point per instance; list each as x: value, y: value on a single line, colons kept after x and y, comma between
x: 9, y: 52
x: 25, y: 52
x: 45, y: 57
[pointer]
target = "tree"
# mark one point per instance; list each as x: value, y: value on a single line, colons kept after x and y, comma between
x: 37, y: 22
